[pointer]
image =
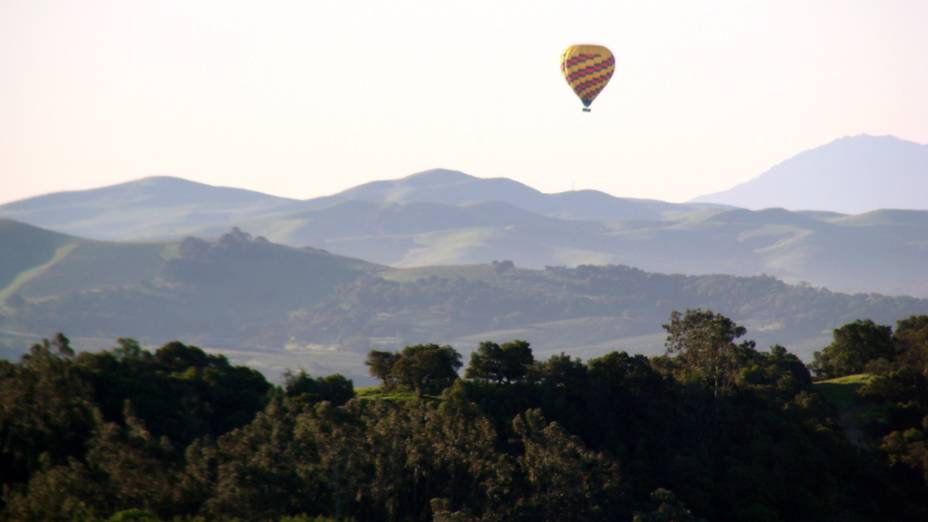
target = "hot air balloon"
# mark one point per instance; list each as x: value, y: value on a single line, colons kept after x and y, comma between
x: 587, y: 69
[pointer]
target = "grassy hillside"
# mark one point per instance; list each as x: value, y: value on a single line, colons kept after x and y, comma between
x: 25, y: 248
x: 37, y: 264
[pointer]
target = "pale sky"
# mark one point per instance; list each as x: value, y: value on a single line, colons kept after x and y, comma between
x: 306, y: 98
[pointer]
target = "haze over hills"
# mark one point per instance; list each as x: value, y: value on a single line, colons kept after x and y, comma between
x: 850, y: 175
x: 830, y: 250
x: 275, y: 306
x: 169, y: 208
x: 448, y: 217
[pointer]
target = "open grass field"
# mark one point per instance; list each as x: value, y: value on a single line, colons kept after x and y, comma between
x: 373, y: 393
x: 857, y: 416
x: 842, y: 391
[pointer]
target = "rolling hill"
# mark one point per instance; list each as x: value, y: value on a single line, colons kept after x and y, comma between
x: 850, y: 175
x: 151, y: 208
x: 275, y: 306
x: 447, y: 217
x: 36, y: 263
x: 449, y: 187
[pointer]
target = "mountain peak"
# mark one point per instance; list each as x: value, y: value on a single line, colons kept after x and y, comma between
x: 437, y: 175
x: 863, y: 143
x: 161, y: 180
x: 864, y: 137
x: 852, y: 174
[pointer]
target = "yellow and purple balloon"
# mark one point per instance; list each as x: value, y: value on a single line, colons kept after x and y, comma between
x: 587, y: 69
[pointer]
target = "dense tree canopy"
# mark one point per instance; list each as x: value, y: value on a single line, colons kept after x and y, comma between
x: 714, y: 430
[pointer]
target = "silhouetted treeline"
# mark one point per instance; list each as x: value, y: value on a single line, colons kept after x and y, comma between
x: 714, y: 430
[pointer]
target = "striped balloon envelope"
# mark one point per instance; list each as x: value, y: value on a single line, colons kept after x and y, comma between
x: 587, y: 69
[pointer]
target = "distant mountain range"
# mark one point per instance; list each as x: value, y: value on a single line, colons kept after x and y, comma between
x: 850, y: 175
x: 168, y: 208
x: 441, y: 217
x: 274, y: 306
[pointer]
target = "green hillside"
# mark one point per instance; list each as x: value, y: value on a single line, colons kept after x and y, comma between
x: 842, y: 391
x: 39, y: 264
x: 26, y: 248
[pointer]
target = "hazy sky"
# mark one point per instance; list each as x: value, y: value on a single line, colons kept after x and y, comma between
x: 306, y: 98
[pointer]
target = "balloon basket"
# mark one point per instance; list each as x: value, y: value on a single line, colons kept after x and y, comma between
x: 586, y: 109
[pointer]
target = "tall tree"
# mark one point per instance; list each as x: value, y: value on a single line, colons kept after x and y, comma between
x: 704, y: 343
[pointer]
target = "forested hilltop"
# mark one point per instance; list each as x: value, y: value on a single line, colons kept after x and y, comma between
x: 714, y: 429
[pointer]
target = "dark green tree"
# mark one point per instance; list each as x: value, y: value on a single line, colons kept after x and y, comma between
x: 776, y: 371
x: 427, y: 368
x: 854, y: 345
x: 561, y: 371
x: 911, y: 339
x: 46, y: 410
x: 380, y: 366
x: 333, y: 388
x: 504, y: 363
x: 179, y: 391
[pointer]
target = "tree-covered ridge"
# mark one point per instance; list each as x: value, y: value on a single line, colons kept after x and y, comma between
x: 242, y: 292
x: 714, y: 430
